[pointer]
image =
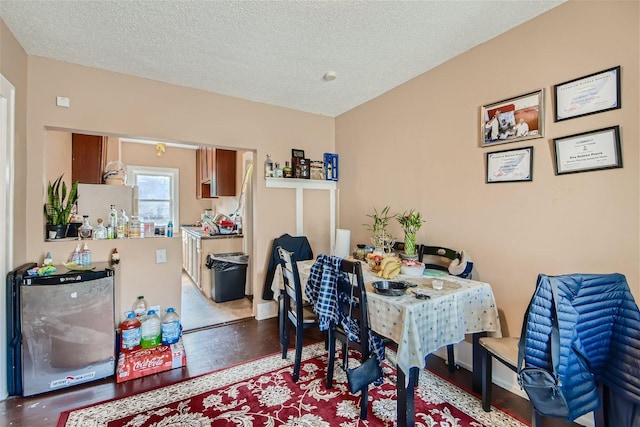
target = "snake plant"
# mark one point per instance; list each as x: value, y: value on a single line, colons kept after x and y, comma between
x: 59, y: 204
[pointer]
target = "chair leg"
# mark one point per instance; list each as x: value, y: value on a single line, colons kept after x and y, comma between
x: 451, y: 359
x: 285, y: 338
x: 298, y: 359
x: 364, y: 399
x: 486, y: 380
x: 332, y: 356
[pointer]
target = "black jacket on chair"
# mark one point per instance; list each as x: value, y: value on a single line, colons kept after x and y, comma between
x: 301, y: 249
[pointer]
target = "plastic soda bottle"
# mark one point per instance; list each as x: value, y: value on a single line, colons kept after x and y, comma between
x: 130, y: 333
x: 139, y: 306
x: 151, y: 330
x: 171, y: 328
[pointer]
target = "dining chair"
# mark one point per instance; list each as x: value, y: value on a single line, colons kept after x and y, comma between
x: 293, y: 311
x: 356, y: 310
x: 439, y: 258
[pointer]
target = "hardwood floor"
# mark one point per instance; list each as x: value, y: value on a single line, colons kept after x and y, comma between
x: 208, y: 350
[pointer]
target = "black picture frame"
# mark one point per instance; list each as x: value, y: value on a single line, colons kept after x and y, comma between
x: 296, y: 153
x: 588, y: 151
x: 514, y: 165
x: 591, y: 94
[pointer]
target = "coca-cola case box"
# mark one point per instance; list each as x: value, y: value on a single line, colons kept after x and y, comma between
x: 149, y: 361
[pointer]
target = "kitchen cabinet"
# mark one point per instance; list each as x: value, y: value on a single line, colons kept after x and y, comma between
x: 215, y: 172
x: 196, y: 246
x: 88, y: 158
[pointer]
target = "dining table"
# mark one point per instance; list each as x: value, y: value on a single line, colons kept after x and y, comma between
x: 421, y: 326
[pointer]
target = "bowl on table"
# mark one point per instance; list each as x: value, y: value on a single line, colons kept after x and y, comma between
x: 412, y: 268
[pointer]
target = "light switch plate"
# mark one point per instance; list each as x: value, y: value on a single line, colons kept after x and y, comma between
x: 63, y: 101
x: 161, y: 256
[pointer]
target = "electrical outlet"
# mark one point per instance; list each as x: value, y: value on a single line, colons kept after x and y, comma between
x: 161, y: 256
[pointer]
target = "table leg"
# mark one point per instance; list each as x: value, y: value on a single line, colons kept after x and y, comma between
x: 476, y: 379
x: 406, y: 402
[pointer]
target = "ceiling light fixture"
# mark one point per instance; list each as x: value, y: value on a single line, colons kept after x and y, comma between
x: 329, y: 76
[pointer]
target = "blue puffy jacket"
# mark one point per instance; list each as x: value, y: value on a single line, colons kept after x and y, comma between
x: 599, y: 326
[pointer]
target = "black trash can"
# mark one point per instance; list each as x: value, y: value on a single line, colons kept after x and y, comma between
x: 228, y: 275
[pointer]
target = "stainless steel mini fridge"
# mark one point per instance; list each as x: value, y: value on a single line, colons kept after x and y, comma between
x: 61, y: 329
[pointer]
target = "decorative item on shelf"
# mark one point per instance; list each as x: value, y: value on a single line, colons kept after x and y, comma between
x: 58, y: 206
x: 115, y: 173
x: 115, y: 257
x: 410, y: 221
x: 317, y: 169
x: 382, y: 240
x: 331, y: 166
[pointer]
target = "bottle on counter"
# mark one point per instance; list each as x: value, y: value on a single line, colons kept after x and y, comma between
x: 75, y: 256
x: 287, y: 172
x: 123, y: 225
x: 85, y: 256
x: 277, y: 171
x: 100, y: 232
x: 151, y: 330
x: 170, y: 229
x: 130, y: 333
x: 139, y: 306
x: 86, y: 228
x: 268, y: 167
x: 171, y: 328
x: 113, y: 223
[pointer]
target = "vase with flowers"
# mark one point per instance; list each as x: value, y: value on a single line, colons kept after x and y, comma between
x: 410, y: 221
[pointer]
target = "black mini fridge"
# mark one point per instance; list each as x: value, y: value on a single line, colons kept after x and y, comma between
x: 60, y: 328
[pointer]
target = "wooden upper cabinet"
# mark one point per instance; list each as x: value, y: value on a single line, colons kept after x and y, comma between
x: 88, y: 158
x: 215, y: 172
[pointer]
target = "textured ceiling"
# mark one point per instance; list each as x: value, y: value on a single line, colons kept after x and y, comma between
x: 275, y: 52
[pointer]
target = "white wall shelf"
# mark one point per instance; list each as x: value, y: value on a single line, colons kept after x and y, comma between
x: 308, y: 184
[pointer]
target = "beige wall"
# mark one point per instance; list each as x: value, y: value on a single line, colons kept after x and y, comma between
x: 13, y: 66
x: 114, y: 104
x: 417, y: 146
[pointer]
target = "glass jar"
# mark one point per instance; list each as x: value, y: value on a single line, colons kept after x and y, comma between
x: 359, y: 253
x: 85, y: 229
x: 135, y: 229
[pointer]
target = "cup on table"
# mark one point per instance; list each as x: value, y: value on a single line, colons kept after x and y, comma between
x: 437, y: 284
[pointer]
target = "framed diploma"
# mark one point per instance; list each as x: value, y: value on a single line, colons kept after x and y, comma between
x: 588, y: 151
x: 510, y: 165
x: 514, y: 119
x: 590, y: 94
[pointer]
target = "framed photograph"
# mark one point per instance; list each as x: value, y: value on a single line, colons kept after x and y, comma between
x: 511, y: 120
x: 510, y: 165
x: 586, y: 95
x: 588, y: 151
x: 297, y: 153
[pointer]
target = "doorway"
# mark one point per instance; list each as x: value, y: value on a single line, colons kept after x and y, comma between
x: 200, y: 312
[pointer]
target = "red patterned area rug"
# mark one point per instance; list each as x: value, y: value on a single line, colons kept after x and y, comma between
x: 262, y: 393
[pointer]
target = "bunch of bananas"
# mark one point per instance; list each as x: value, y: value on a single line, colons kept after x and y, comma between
x: 389, y: 267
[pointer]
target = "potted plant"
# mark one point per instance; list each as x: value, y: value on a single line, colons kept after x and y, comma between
x: 58, y: 206
x: 382, y: 240
x: 410, y: 221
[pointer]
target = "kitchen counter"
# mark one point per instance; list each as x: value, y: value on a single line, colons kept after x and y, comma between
x: 198, y: 232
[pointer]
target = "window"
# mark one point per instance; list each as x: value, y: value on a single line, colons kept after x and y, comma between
x: 158, y: 194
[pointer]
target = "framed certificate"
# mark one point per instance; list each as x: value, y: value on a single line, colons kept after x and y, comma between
x: 588, y: 151
x: 590, y: 94
x: 510, y: 165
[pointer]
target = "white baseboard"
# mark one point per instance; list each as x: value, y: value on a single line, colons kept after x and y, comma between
x: 502, y: 376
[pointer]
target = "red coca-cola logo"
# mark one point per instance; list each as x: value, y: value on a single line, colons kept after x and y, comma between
x: 152, y: 362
